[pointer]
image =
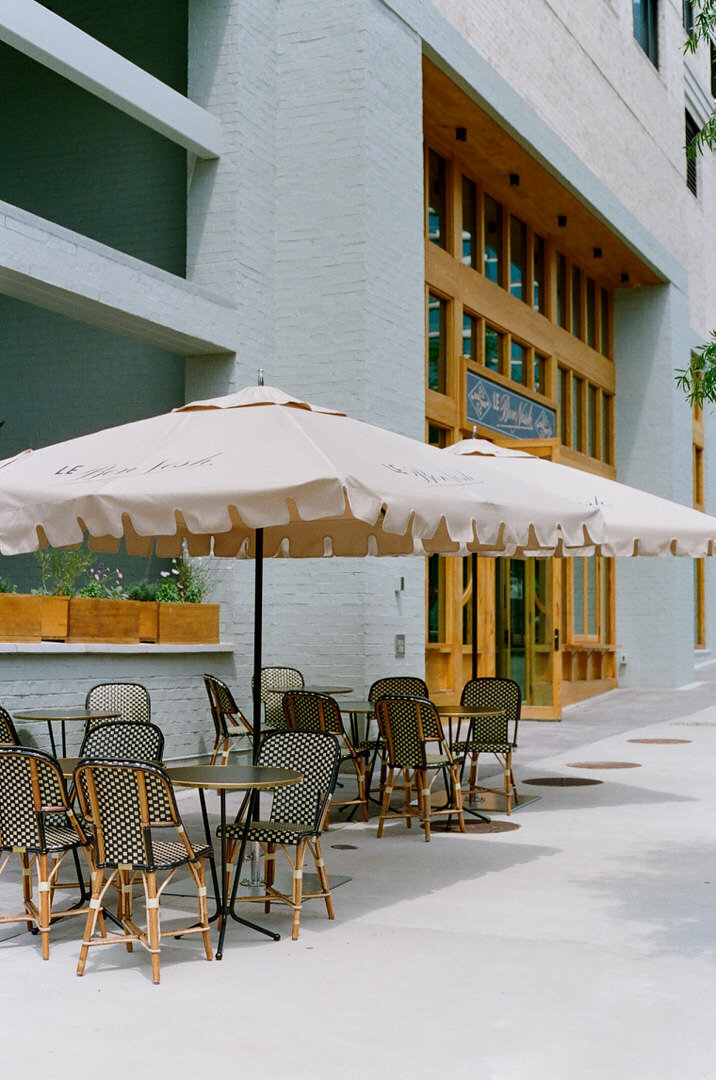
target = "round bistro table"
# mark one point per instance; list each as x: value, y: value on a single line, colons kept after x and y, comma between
x: 250, y: 779
x: 64, y: 716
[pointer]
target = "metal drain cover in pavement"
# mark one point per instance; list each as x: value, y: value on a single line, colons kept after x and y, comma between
x: 661, y: 742
x: 562, y: 781
x: 344, y: 847
x: 604, y: 765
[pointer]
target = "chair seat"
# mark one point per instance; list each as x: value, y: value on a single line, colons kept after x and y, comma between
x: 168, y: 854
x: 483, y: 748
x: 58, y: 838
x: 271, y: 832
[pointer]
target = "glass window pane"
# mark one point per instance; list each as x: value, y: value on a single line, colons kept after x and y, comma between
x: 591, y: 313
x: 493, y: 240
x: 561, y: 290
x: 578, y: 596
x: 592, y: 420
x: 436, y: 599
x: 563, y: 399
x: 607, y: 428
x: 645, y: 13
x: 469, y: 223
x: 538, y: 274
x: 469, y: 337
x: 518, y: 362
x: 577, y: 328
x: 604, y: 324
x: 436, y: 343
x: 436, y: 199
x: 540, y: 373
x: 591, y: 595
x: 494, y: 348
x: 518, y: 257
x: 577, y: 414
x: 437, y: 436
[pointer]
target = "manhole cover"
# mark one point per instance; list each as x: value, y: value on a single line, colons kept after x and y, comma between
x: 562, y: 781
x: 344, y: 847
x: 604, y: 765
x: 477, y: 827
x: 661, y: 742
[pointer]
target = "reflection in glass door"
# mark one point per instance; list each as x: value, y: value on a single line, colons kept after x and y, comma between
x: 524, y: 644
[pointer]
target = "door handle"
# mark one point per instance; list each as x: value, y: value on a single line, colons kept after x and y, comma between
x: 556, y: 640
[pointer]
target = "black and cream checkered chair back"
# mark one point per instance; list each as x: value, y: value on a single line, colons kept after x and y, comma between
x: 275, y: 681
x: 130, y: 700
x: 123, y: 801
x: 222, y: 704
x: 127, y: 739
x: 33, y: 800
x: 8, y: 735
x: 305, y: 710
x: 317, y: 756
x: 406, y: 723
x: 407, y: 685
x: 491, y: 692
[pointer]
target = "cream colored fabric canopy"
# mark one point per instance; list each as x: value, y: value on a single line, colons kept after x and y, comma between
x: 317, y: 482
x: 636, y: 522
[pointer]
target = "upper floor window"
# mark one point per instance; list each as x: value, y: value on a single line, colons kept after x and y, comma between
x: 687, y: 15
x: 437, y: 231
x: 645, y: 14
x: 691, y: 131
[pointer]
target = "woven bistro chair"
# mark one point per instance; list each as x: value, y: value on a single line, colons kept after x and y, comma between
x: 297, y: 816
x: 308, y: 711
x: 125, y: 739
x: 405, y: 685
x: 8, y: 735
x: 131, y: 809
x: 417, y: 749
x: 229, y: 721
x: 492, y: 735
x: 130, y: 700
x: 275, y: 681
x: 38, y: 824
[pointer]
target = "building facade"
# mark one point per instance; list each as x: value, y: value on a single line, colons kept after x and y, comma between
x: 433, y: 215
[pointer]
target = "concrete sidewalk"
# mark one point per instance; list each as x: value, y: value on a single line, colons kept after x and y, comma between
x: 578, y: 944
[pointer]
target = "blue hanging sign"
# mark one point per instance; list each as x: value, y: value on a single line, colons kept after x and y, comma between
x: 503, y: 410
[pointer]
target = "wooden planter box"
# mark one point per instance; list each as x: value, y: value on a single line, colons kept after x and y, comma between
x: 25, y: 617
x: 20, y: 617
x: 184, y: 624
x: 115, y: 621
x: 55, y: 617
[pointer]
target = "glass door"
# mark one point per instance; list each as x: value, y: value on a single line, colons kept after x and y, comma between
x: 525, y: 641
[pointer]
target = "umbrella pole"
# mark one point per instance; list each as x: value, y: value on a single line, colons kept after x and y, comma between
x: 473, y: 564
x: 258, y: 632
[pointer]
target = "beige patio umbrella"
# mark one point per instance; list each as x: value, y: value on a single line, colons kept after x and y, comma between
x: 636, y: 522
x: 260, y: 473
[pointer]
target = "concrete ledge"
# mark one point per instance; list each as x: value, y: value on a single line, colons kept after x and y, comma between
x: 36, y: 648
x: 57, y: 44
x: 45, y: 264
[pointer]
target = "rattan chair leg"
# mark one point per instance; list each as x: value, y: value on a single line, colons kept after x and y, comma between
x: 297, y: 893
x: 385, y: 804
x: 199, y: 876
x: 322, y: 875
x: 26, y: 884
x: 44, y: 904
x: 270, y: 873
x: 152, y: 901
x: 91, y: 921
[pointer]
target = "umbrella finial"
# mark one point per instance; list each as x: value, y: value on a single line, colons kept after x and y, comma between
x: 261, y: 377
x: 474, y: 431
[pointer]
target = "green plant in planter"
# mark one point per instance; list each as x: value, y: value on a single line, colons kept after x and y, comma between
x: 186, y: 583
x: 104, y: 582
x: 6, y: 586
x: 143, y: 590
x: 60, y: 568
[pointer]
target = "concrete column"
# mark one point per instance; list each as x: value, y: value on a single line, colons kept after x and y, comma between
x: 653, y: 451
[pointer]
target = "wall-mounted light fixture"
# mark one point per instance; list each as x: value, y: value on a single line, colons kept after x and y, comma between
x: 514, y: 179
x: 461, y: 134
x: 562, y: 220
x: 597, y: 253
